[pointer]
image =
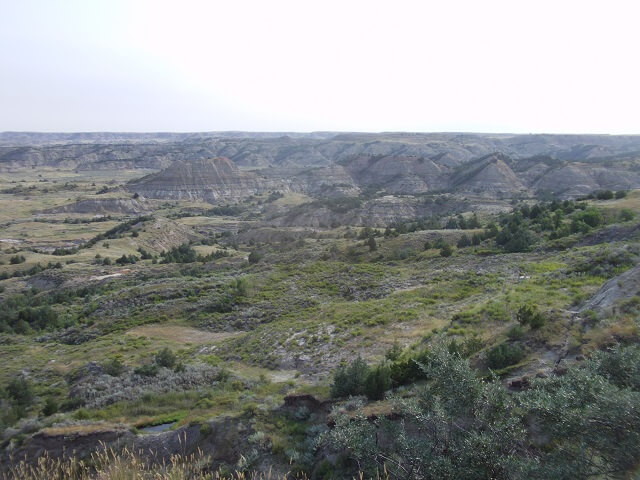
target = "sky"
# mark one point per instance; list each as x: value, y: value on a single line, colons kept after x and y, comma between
x: 516, y: 66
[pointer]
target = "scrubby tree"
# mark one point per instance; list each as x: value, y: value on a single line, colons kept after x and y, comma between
x: 165, y: 358
x: 583, y: 424
x: 464, y: 241
x: 20, y: 391
x: 621, y: 194
x: 254, y: 257
x: 446, y: 251
x: 530, y: 315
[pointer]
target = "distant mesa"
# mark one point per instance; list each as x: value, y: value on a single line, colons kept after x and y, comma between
x: 211, y: 166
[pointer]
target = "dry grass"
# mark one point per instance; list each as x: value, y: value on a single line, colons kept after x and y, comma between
x: 82, y: 429
x: 107, y: 464
x: 179, y: 334
x: 632, y: 201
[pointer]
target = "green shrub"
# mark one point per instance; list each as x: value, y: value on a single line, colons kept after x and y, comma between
x: 406, y: 369
x: 148, y: 370
x: 516, y: 332
x: 16, y: 259
x: 504, y: 355
x: 590, y: 216
x: 529, y: 315
x: 604, y: 194
x: 255, y: 257
x: 446, y: 251
x: 465, y: 348
x: 621, y: 194
x: 113, y: 367
x: 460, y: 425
x: 165, y: 358
x: 20, y: 391
x: 626, y: 215
x: 126, y: 259
x: 205, y: 429
x: 394, y: 352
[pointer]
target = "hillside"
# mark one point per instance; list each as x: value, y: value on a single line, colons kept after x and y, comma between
x: 278, y: 319
x: 210, y: 179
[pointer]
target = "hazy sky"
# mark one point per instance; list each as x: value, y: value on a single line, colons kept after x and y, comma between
x: 271, y: 65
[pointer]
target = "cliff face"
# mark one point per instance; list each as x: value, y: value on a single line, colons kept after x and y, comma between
x: 579, y: 179
x: 489, y: 176
x: 331, y: 180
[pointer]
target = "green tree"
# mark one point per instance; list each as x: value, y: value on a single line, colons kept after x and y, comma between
x: 349, y: 379
x: 377, y: 382
x: 372, y: 244
x: 50, y: 407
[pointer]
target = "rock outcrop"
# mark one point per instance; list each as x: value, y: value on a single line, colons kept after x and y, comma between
x: 615, y: 292
x: 396, y: 174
